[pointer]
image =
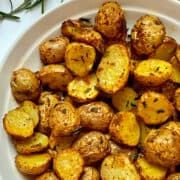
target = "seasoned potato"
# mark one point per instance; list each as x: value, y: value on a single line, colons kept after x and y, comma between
x: 80, y: 58
x: 125, y: 129
x: 63, y: 119
x: 150, y: 171
x: 55, y: 76
x: 109, y: 21
x: 113, y: 70
x: 125, y: 99
x: 144, y: 132
x: 47, y: 176
x: 36, y: 143
x: 177, y: 99
x: 118, y: 167
x: 18, y: 123
x: 83, y: 89
x: 174, y: 176
x: 34, y: 164
x: 162, y: 145
x: 68, y: 164
x: 96, y: 115
x: 93, y: 146
x: 90, y: 173
x: 133, y: 65
x: 154, y: 108
x: 147, y: 34
x: 25, y: 85
x: 153, y: 72
x: 88, y: 35
x: 178, y: 53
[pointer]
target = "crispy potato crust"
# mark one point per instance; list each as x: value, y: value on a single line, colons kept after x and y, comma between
x: 174, y: 176
x: 47, y: 176
x: 90, y: 173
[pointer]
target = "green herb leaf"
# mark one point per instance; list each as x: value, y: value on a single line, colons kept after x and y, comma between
x: 160, y: 111
x: 8, y: 16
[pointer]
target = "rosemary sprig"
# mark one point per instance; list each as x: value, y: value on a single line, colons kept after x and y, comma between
x: 11, y: 4
x: 8, y: 16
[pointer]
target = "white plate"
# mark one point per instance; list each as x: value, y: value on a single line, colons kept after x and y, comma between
x: 25, y: 52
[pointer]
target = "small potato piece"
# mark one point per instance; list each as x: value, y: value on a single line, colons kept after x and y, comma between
x: 144, y: 132
x: 19, y: 124
x: 55, y: 76
x: 174, y: 176
x: 53, y: 50
x: 175, y: 76
x: 36, y: 143
x: 147, y: 34
x: 83, y: 89
x: 68, y: 164
x: 95, y: 115
x: 90, y: 173
x: 80, y: 58
x: 150, y: 171
x: 177, y: 99
x: 25, y: 85
x: 125, y: 99
x: 63, y: 119
x: 113, y: 70
x: 34, y: 164
x: 125, y: 129
x: 93, y: 146
x: 153, y: 72
x: 154, y: 108
x: 118, y: 167
x: 47, y: 176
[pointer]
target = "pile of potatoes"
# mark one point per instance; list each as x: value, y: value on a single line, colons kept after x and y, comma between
x: 102, y: 106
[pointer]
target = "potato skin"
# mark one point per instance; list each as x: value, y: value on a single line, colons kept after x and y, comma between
x: 53, y: 50
x: 177, y: 99
x: 95, y: 115
x: 174, y: 176
x: 147, y: 34
x: 90, y: 173
x: 47, y: 176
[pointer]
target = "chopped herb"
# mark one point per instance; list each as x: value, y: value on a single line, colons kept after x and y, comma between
x: 134, y: 156
x: 87, y: 90
x: 144, y: 104
x: 64, y: 111
x: 94, y: 109
x: 157, y: 69
x: 133, y: 104
x: 160, y: 111
x: 85, y: 19
x: 127, y: 103
x: 155, y: 100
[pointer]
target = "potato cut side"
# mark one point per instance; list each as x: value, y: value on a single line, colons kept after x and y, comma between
x: 177, y: 99
x: 90, y: 173
x: 175, y: 77
x: 47, y: 176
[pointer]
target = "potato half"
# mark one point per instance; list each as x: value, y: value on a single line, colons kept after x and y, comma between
x: 177, y: 99
x: 90, y: 173
x: 47, y: 176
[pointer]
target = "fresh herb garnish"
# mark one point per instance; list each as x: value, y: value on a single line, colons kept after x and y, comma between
x: 127, y: 103
x: 160, y: 111
x: 144, y: 104
x: 87, y: 90
x: 133, y: 104
x: 155, y: 100
x: 94, y: 109
x: 85, y: 19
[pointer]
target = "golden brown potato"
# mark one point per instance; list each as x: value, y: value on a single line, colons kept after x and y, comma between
x: 124, y: 129
x: 178, y: 53
x: 83, y: 89
x: 93, y: 146
x: 47, y: 176
x: 144, y: 132
x: 147, y: 34
x: 174, y: 176
x: 177, y: 99
x: 63, y: 119
x: 53, y: 50
x: 154, y: 108
x: 34, y: 164
x: 113, y: 70
x: 90, y: 173
x: 133, y: 64
x: 55, y: 76
x: 80, y: 58
x: 96, y: 115
x: 162, y: 145
x: 118, y: 167
x: 25, y: 85
x: 68, y: 164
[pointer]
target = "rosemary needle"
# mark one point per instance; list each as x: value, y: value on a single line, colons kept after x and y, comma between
x: 8, y: 16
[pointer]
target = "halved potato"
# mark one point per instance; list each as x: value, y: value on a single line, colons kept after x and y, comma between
x: 177, y: 99
x: 144, y: 132
x: 90, y: 173
x: 47, y: 176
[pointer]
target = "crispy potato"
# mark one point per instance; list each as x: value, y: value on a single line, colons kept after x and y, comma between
x: 96, y: 115
x: 93, y: 146
x: 125, y: 99
x: 68, y: 164
x: 83, y: 89
x: 144, y: 132
x: 79, y: 33
x: 25, y: 85
x: 133, y: 64
x: 109, y: 20
x: 150, y: 171
x: 80, y: 58
x: 174, y: 176
x: 63, y: 119
x: 162, y: 145
x: 147, y: 34
x: 153, y: 72
x: 113, y: 70
x: 154, y: 108
x: 47, y: 176
x: 125, y: 129
x: 90, y: 173
x: 177, y: 99
x: 118, y: 167
x: 36, y: 143
x: 18, y: 123
x: 55, y: 76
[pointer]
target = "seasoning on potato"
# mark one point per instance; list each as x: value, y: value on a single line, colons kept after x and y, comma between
x: 90, y: 173
x: 144, y: 132
x: 174, y: 176
x: 47, y: 176
x: 177, y: 99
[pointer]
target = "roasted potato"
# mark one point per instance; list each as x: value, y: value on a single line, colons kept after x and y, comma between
x: 96, y: 115
x: 68, y: 164
x: 177, y: 99
x: 174, y: 176
x: 55, y: 76
x: 34, y: 164
x: 25, y: 85
x: 153, y: 72
x: 90, y: 173
x: 133, y: 65
x: 47, y: 176
x: 53, y: 50
x: 144, y: 132
x: 113, y: 70
x: 147, y: 34
x: 80, y: 58
x: 124, y: 129
x: 93, y: 146
x: 83, y: 89
x: 63, y: 119
x: 154, y: 108
x: 118, y: 167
